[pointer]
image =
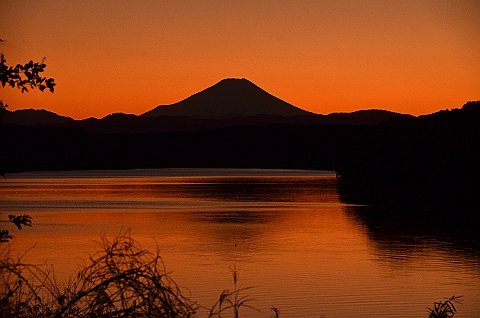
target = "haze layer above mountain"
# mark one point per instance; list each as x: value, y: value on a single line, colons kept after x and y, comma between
x: 229, y: 98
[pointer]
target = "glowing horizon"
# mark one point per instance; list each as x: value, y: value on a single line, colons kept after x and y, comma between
x: 414, y: 57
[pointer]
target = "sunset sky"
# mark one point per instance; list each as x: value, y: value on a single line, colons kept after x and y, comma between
x: 409, y: 56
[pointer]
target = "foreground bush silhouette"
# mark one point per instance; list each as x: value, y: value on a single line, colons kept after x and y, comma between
x: 444, y: 309
x: 231, y: 300
x: 122, y: 280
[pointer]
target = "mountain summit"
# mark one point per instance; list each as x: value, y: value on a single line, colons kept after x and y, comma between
x: 229, y: 98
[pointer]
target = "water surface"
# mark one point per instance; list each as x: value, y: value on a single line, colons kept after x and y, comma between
x: 285, y: 231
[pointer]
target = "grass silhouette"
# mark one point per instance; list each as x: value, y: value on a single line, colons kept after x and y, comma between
x: 231, y: 300
x: 120, y: 280
x: 444, y: 309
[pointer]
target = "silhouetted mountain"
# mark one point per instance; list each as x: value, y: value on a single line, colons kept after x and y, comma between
x: 362, y: 117
x: 128, y: 123
x: 229, y: 103
x: 226, y: 99
x: 32, y: 117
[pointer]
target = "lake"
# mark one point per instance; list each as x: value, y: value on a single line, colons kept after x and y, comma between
x: 287, y: 233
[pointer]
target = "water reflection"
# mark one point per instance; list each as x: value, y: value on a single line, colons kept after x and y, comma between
x: 308, y: 252
x: 247, y: 188
x: 233, y: 217
x: 401, y: 236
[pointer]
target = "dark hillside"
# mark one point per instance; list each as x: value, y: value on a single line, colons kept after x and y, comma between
x: 272, y: 146
x: 32, y: 117
x: 430, y: 161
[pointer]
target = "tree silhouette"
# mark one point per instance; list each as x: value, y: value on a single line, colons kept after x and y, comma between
x: 23, y: 77
x: 471, y: 105
x: 3, y: 109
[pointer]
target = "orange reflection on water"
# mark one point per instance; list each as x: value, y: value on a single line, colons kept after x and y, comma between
x: 290, y: 237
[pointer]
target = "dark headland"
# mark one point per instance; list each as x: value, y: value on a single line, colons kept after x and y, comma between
x: 382, y: 158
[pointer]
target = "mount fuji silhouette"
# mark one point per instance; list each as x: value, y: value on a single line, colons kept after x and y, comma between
x: 229, y: 98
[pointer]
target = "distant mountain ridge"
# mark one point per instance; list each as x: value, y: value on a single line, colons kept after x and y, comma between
x: 229, y: 103
x: 128, y: 123
x: 32, y: 117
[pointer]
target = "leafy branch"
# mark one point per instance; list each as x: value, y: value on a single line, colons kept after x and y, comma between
x: 25, y: 76
x: 19, y: 221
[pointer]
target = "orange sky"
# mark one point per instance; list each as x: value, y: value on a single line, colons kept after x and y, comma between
x: 409, y: 56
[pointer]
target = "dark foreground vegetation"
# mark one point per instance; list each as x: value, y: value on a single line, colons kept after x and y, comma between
x: 121, y: 280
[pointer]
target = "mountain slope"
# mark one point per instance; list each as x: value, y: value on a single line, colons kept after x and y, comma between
x: 32, y: 117
x: 226, y: 99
